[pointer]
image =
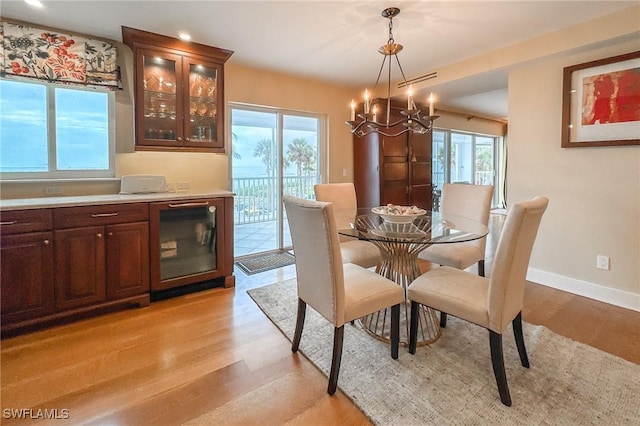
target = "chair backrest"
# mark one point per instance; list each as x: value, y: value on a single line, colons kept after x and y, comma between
x: 511, y: 261
x: 343, y: 197
x: 472, y: 201
x: 318, y: 260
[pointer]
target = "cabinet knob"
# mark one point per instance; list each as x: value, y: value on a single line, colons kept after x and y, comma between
x: 187, y: 139
x: 179, y: 139
x: 46, y: 242
x: 99, y: 235
x: 110, y: 234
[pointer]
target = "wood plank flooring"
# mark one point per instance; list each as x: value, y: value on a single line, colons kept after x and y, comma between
x: 214, y: 358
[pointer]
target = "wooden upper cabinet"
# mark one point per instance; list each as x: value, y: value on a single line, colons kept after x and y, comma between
x: 179, y: 93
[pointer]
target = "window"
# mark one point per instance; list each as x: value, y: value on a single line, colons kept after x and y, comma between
x: 275, y: 152
x: 464, y: 158
x: 52, y: 131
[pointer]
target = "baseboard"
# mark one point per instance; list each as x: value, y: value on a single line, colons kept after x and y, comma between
x: 624, y: 299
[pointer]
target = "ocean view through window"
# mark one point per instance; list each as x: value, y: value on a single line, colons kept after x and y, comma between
x: 50, y: 131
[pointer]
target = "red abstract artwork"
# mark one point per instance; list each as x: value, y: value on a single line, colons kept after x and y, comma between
x: 611, y: 98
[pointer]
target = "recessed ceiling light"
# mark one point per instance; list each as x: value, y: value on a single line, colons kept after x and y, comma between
x: 184, y: 36
x: 34, y: 3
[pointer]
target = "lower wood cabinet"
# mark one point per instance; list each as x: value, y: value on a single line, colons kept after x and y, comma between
x: 64, y: 263
x: 26, y: 268
x: 127, y: 258
x: 84, y: 259
x: 99, y: 263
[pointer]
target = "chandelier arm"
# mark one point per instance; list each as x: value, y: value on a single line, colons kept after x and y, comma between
x: 361, y: 133
x: 389, y: 90
x: 378, y: 79
x: 401, y: 71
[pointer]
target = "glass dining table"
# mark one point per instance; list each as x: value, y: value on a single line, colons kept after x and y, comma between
x: 400, y: 240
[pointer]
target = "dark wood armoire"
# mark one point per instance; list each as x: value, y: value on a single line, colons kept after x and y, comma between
x: 395, y: 170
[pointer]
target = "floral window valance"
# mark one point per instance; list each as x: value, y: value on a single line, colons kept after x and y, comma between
x: 54, y: 57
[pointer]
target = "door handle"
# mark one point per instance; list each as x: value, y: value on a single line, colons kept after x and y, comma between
x: 177, y: 206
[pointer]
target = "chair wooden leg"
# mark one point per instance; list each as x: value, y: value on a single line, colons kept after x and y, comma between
x: 413, y: 327
x: 302, y: 309
x: 443, y: 319
x: 497, y: 359
x: 338, y: 336
x: 395, y: 330
x: 517, y: 332
x: 481, y: 268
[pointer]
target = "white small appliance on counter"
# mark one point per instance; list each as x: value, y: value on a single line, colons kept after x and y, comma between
x: 143, y: 184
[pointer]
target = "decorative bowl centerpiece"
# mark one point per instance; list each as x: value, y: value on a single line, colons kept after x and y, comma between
x: 398, y: 214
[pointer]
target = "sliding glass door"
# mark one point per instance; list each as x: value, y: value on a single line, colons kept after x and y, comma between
x: 464, y: 158
x: 274, y: 153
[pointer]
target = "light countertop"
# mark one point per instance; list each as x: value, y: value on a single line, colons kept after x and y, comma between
x: 89, y: 200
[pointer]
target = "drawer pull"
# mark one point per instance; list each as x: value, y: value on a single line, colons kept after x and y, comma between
x: 175, y: 206
x: 12, y: 222
x: 104, y: 214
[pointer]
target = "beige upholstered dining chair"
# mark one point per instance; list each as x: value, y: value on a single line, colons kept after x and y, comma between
x: 474, y: 202
x: 492, y: 302
x: 345, y: 204
x: 340, y: 293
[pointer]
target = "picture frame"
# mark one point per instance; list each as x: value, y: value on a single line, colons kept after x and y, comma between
x: 601, y: 102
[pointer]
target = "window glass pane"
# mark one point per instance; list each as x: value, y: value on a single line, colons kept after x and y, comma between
x: 300, y: 151
x: 255, y: 168
x: 461, y: 158
x: 23, y: 127
x: 484, y: 160
x: 271, y: 149
x: 82, y: 130
x: 439, y: 154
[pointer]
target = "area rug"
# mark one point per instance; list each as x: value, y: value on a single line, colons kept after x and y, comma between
x: 451, y: 382
x: 265, y: 262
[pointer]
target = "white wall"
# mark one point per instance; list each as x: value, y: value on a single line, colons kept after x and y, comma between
x: 594, y: 192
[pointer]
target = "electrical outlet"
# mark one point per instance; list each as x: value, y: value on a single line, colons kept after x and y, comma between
x: 53, y: 190
x: 344, y: 172
x: 183, y: 185
x: 602, y: 262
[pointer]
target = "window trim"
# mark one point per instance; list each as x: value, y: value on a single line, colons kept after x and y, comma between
x: 51, y: 175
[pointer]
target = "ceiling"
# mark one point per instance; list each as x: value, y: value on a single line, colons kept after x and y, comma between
x: 338, y: 41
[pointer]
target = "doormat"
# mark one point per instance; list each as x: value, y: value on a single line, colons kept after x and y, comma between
x: 265, y: 262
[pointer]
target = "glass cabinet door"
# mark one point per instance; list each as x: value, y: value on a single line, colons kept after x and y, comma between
x: 202, y: 126
x: 160, y: 87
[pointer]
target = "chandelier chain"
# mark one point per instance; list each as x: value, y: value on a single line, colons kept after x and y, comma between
x: 391, y: 39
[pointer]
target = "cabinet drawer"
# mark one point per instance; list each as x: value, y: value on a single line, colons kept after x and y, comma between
x: 19, y: 221
x: 71, y: 217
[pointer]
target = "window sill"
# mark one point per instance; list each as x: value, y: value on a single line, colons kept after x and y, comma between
x: 61, y: 181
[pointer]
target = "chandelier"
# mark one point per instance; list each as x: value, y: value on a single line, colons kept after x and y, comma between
x: 412, y: 120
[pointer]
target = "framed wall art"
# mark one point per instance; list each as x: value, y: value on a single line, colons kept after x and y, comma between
x: 601, y: 102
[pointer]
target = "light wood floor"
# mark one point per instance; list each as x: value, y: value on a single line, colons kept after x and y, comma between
x: 215, y: 352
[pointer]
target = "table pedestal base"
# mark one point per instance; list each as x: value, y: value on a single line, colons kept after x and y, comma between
x: 378, y: 325
x: 399, y: 263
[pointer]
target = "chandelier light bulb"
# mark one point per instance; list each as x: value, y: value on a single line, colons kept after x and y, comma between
x: 366, y: 101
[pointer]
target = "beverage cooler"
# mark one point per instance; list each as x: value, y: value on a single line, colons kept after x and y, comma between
x: 185, y: 242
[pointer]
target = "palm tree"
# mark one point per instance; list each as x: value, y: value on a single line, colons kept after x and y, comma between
x: 266, y: 150
x: 234, y: 139
x: 302, y: 154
